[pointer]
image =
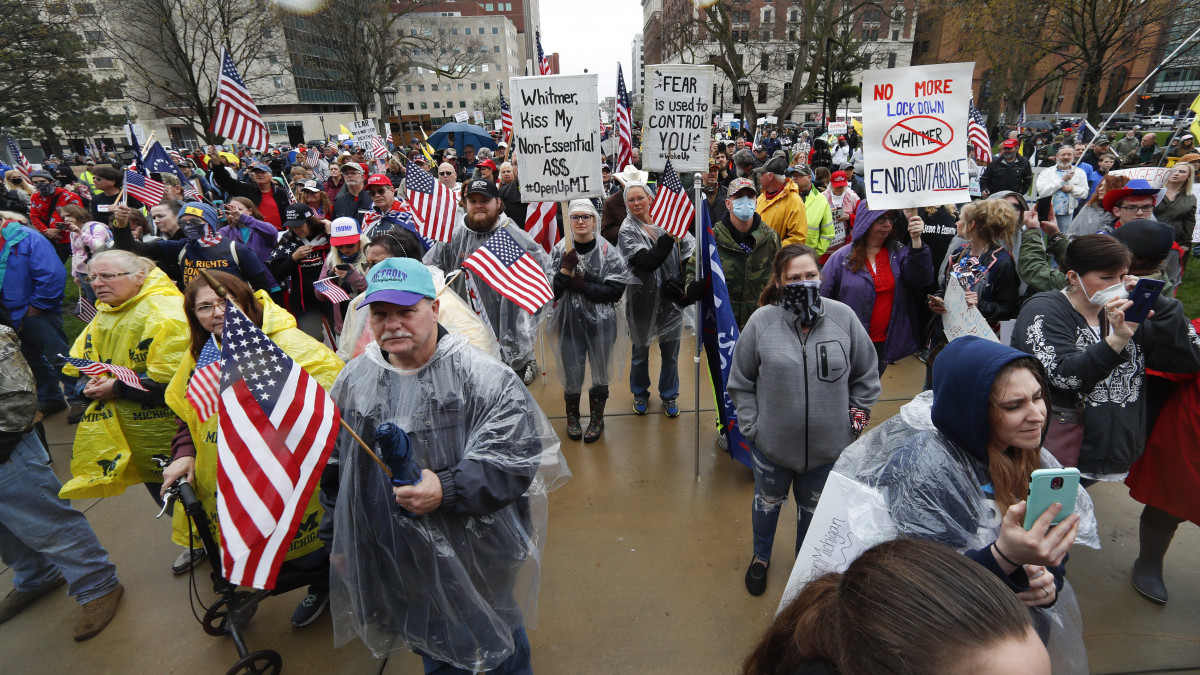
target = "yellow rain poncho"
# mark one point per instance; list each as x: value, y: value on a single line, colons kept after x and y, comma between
x: 314, y: 357
x: 117, y: 441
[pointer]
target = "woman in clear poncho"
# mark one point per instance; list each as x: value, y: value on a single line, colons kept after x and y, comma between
x: 954, y: 467
x: 588, y: 284
x: 655, y: 260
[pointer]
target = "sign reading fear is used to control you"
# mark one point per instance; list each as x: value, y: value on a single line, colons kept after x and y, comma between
x: 915, y: 135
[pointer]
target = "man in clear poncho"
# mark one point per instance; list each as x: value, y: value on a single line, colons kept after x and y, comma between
x: 514, y: 327
x: 450, y: 565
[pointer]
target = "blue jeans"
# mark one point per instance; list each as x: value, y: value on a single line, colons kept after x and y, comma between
x: 516, y: 664
x: 44, y: 345
x: 771, y: 484
x: 668, y: 372
x: 41, y: 536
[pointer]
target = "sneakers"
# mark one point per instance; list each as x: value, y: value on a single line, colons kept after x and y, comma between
x: 672, y: 407
x: 639, y: 406
x: 15, y: 601
x: 311, y: 607
x: 188, y: 559
x: 97, y: 614
x: 756, y: 578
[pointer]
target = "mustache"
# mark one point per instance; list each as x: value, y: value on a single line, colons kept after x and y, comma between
x: 395, y: 335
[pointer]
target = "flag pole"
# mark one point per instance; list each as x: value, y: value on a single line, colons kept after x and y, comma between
x: 698, y: 264
x: 223, y: 293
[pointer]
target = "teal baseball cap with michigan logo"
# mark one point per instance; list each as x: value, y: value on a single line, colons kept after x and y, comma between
x: 400, y: 281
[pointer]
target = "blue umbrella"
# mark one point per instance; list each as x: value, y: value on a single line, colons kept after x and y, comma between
x: 463, y: 134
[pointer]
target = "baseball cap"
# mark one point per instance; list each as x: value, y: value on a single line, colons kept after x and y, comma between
x: 259, y: 166
x: 838, y: 179
x: 802, y: 170
x: 296, y: 214
x: 400, y: 281
x: 502, y: 144
x: 487, y: 163
x: 1102, y: 139
x: 1147, y: 238
x: 354, y: 166
x: 343, y: 231
x: 777, y: 165
x: 1185, y: 137
x: 1010, y: 143
x: 379, y: 179
x: 1190, y: 157
x: 310, y: 186
x: 740, y: 184
x: 483, y: 187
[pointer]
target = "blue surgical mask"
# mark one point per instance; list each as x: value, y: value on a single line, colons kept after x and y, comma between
x: 743, y: 208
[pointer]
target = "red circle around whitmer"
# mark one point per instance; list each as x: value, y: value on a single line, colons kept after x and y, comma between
x: 938, y: 147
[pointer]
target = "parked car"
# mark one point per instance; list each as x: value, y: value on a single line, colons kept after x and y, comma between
x: 1159, y: 120
x: 1122, y: 121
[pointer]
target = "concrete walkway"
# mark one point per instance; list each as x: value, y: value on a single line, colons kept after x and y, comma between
x: 642, y: 574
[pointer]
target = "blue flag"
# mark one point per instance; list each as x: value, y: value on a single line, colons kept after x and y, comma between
x: 719, y: 332
x: 158, y: 161
x: 137, y: 148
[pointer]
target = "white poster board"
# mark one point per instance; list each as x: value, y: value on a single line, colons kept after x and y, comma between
x: 837, y: 128
x: 915, y: 135
x: 959, y: 319
x: 462, y: 117
x: 675, y: 117
x: 363, y: 129
x: 1156, y: 176
x: 139, y: 130
x: 498, y: 124
x: 849, y: 519
x: 478, y: 114
x: 556, y: 132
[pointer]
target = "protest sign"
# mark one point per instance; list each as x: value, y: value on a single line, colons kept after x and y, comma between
x: 478, y: 116
x: 1155, y: 175
x: 497, y: 124
x: 556, y: 132
x: 462, y: 117
x: 363, y: 129
x: 675, y: 117
x: 838, y: 128
x: 139, y: 130
x: 961, y: 320
x: 915, y: 136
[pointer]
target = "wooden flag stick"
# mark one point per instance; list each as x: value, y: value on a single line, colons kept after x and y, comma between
x: 223, y: 293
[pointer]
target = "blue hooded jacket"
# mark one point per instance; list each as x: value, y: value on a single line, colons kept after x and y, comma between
x: 962, y: 387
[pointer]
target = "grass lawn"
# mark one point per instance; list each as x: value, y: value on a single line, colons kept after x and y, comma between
x: 71, y: 325
x: 1189, y: 290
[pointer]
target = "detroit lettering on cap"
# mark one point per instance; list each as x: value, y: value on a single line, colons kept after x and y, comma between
x: 388, y: 274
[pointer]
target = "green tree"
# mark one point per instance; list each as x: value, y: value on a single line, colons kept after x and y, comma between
x: 45, y: 86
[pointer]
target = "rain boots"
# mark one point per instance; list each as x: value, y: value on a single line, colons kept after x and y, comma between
x: 597, y: 397
x: 574, y: 431
x: 1148, y: 568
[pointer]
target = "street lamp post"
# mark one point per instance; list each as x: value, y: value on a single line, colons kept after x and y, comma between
x: 743, y: 90
x: 389, y: 97
x: 324, y: 134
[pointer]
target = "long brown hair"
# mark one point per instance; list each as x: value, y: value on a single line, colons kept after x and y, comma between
x: 326, y: 206
x: 250, y: 206
x: 770, y: 294
x: 239, y: 291
x: 904, y: 606
x: 858, y: 248
x: 1110, y: 182
x: 1010, y: 468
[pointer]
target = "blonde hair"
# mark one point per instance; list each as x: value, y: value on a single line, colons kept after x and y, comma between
x: 994, y: 219
x: 20, y: 180
x: 126, y: 260
x: 1186, y: 188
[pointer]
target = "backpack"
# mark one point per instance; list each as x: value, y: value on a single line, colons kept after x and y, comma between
x: 18, y: 392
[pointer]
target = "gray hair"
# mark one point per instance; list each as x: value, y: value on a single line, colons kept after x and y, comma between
x: 126, y: 260
x: 483, y: 153
x: 744, y: 157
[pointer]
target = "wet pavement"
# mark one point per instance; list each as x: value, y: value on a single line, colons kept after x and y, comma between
x: 643, y: 571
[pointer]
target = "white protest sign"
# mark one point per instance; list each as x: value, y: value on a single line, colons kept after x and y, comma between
x: 557, y: 134
x: 1156, y: 176
x: 961, y: 320
x: 462, y: 117
x: 498, y: 124
x: 838, y: 128
x: 139, y: 130
x: 363, y: 129
x: 675, y: 117
x: 478, y: 114
x: 849, y: 519
x: 915, y: 135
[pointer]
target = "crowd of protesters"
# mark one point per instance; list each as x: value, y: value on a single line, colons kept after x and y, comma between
x: 826, y: 291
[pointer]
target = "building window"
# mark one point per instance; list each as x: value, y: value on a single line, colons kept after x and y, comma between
x: 436, y: 104
x: 495, y: 49
x: 474, y: 86
x: 424, y: 105
x: 787, y: 89
x: 765, y: 63
x: 767, y: 16
x: 892, y: 60
x: 103, y: 62
x: 57, y: 8
x: 462, y: 104
x: 895, y: 34
x: 85, y: 9
x: 468, y: 31
x: 411, y: 106
x: 485, y: 67
x: 791, y: 61
x: 460, y: 86
x: 93, y: 36
x: 488, y: 7
x: 495, y: 30
x: 487, y: 85
x: 762, y: 92
x: 420, y: 87
x: 408, y: 88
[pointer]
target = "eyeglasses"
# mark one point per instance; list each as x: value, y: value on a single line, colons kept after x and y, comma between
x: 581, y: 217
x: 1137, y: 209
x: 445, y: 173
x: 378, y: 191
x: 106, y: 277
x: 207, y: 309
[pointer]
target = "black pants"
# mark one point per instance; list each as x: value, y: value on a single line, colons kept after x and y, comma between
x: 1160, y: 521
x: 879, y: 347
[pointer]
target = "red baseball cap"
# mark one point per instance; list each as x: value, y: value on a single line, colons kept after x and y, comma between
x: 1011, y: 143
x: 379, y: 179
x: 487, y: 163
x: 838, y: 179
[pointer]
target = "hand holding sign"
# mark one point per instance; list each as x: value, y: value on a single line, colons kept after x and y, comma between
x: 916, y: 226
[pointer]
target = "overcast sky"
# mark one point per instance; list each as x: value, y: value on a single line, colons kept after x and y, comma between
x: 594, y: 36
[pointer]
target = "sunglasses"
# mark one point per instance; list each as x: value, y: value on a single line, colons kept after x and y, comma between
x: 377, y: 191
x: 445, y: 173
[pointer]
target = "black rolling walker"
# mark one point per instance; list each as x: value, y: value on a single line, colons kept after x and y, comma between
x: 234, y: 609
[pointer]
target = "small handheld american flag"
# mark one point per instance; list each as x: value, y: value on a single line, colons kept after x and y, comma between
x: 85, y: 311
x: 202, y: 388
x: 978, y: 135
x: 434, y: 206
x: 96, y: 369
x: 146, y: 190
x: 329, y: 289
x: 22, y: 163
x: 672, y: 209
x: 541, y: 223
x: 378, y: 147
x: 506, y: 266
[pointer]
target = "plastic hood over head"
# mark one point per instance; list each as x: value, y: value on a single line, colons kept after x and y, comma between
x: 962, y: 388
x: 864, y: 218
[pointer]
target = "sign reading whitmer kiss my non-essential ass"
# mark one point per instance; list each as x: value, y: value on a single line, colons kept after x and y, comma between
x: 556, y: 132
x: 915, y: 135
x: 676, y: 116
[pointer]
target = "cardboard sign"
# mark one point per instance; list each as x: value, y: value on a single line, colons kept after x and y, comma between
x: 1156, y: 176
x: 557, y: 134
x: 478, y: 116
x: 675, y: 117
x: 959, y: 319
x: 462, y: 117
x: 916, y: 134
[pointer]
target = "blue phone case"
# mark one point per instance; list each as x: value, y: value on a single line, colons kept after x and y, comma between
x: 1143, y: 295
x: 1043, y: 493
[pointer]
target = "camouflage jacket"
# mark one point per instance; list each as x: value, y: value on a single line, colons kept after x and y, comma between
x: 746, y: 274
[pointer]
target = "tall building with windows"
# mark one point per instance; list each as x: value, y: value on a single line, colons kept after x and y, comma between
x: 636, y: 80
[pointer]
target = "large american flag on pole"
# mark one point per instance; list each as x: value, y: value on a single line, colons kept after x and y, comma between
x: 203, y: 388
x: 543, y: 62
x: 624, y: 122
x: 236, y: 117
x: 434, y: 206
x: 22, y: 164
x: 978, y: 136
x: 96, y: 369
x: 506, y: 124
x: 672, y: 209
x: 277, y: 428
x: 541, y: 223
x: 506, y: 266
x: 146, y: 190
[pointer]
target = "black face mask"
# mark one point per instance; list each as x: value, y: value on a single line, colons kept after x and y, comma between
x: 803, y: 299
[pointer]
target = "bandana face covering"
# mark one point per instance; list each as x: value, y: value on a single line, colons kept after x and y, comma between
x: 45, y: 189
x: 803, y: 299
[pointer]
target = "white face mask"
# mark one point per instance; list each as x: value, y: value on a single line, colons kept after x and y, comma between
x: 1106, y: 295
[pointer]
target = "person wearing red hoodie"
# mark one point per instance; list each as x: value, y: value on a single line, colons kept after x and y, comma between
x: 44, y: 213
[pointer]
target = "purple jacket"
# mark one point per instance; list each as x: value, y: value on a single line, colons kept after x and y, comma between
x: 913, y: 271
x: 261, y: 237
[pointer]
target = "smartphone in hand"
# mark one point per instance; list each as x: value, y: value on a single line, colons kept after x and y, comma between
x: 1051, y: 486
x: 1143, y: 295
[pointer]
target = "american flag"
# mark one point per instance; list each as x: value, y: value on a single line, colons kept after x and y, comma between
x: 377, y: 147
x: 541, y: 224
x: 978, y: 136
x: 22, y: 164
x: 672, y: 209
x: 624, y: 124
x: 329, y: 289
x: 505, y: 119
x: 507, y: 267
x: 96, y: 369
x: 312, y: 159
x: 277, y: 428
x: 85, y: 311
x: 543, y: 62
x: 167, y: 161
x: 433, y: 205
x: 202, y: 389
x: 236, y: 117
x: 146, y: 190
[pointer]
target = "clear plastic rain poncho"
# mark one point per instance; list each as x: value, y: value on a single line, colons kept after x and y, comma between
x: 450, y: 584
x: 586, y: 323
x: 648, y: 313
x: 932, y: 491
x: 514, y: 327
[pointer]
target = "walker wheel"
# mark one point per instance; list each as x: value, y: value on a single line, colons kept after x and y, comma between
x: 216, y: 619
x: 266, y: 662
